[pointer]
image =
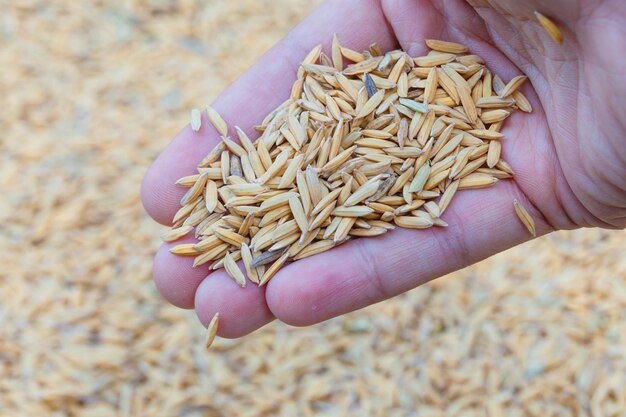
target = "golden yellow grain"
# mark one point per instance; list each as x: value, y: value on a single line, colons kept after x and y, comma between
x: 446, y: 46
x: 396, y: 69
x: 447, y: 196
x: 343, y: 229
x: 471, y: 140
x: 402, y: 86
x: 504, y: 166
x: 435, y: 179
x: 188, y: 180
x: 467, y: 102
x: 233, y: 270
x: 364, y: 191
x: 244, y: 140
x: 323, y: 215
x: 210, y: 196
x: 271, y: 271
x: 352, y: 55
x: 471, y: 166
x: 197, y: 216
x: 211, y: 254
x: 512, y: 86
x: 448, y: 148
x: 411, y: 222
x: 375, y: 143
x: 313, y: 185
x: 525, y: 217
x: 361, y: 67
x: 212, y: 330
x: 424, y: 132
x: 195, y: 191
x: 431, y: 86
x: 326, y: 200
x: 229, y: 236
x: 485, y: 134
x: 347, y: 86
x: 245, y: 189
x: 288, y: 134
x: 461, y: 161
x: 433, y: 209
x: 493, y: 155
x: 244, y: 229
x: 208, y: 242
x: 335, y: 163
x: 277, y: 201
x: 279, y: 163
x: 177, y: 233
x: 354, y: 211
x: 233, y: 147
x: 285, y: 241
x: 550, y: 27
x: 371, y: 104
x: 303, y: 189
x: 186, y: 249
x: 185, y: 211
x: 494, y: 102
x: 315, y: 248
x: 283, y: 230
x: 225, y: 166
x: 298, y: 213
x: 433, y: 60
x: 313, y: 55
x: 494, y: 116
x: 334, y: 145
x: 474, y: 181
x: 522, y: 102
x: 216, y: 120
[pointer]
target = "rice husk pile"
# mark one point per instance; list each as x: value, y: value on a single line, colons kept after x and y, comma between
x: 538, y: 330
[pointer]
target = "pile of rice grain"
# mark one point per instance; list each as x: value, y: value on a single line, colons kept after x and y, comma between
x: 357, y: 150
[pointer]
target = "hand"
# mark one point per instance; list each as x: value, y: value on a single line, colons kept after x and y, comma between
x: 570, y: 165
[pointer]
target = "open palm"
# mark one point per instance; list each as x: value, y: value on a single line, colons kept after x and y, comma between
x: 570, y: 167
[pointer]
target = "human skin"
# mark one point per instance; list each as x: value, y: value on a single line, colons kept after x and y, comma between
x: 569, y: 154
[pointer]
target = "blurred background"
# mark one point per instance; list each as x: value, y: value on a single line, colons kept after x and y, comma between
x: 90, y: 92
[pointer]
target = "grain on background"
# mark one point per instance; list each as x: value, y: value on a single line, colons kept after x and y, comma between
x: 538, y: 329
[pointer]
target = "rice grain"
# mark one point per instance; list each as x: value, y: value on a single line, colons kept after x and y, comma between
x: 355, y: 151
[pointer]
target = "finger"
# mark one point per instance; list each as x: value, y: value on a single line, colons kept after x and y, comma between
x: 259, y: 91
x: 175, y: 277
x: 242, y: 310
x: 366, y: 271
x: 411, y: 20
